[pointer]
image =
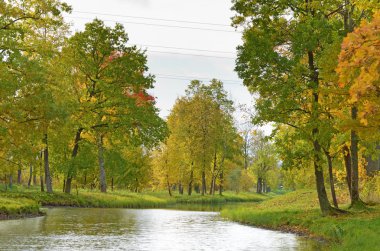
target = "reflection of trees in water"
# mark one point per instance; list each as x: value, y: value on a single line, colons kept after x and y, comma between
x: 21, y: 226
x: 148, y: 229
x: 89, y: 221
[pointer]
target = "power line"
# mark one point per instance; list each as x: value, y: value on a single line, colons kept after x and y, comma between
x: 188, y: 54
x: 181, y: 48
x: 226, y: 83
x: 150, y: 18
x: 189, y: 78
x: 160, y: 25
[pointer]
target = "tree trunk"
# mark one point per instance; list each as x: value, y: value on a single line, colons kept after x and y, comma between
x: 347, y: 163
x: 102, y: 171
x: 67, y: 186
x: 19, y: 172
x: 259, y: 186
x: 322, y: 195
x: 321, y: 190
x: 354, y: 162
x: 112, y: 184
x: 190, y: 188
x: 203, y: 183
x: 34, y: 179
x: 10, y: 181
x: 30, y: 175
x: 212, y: 185
x: 41, y: 175
x: 73, y: 155
x: 168, y: 185
x: 331, y: 176
x: 349, y: 26
x: 48, y: 180
x: 221, y: 183
x: 319, y: 180
x: 180, y: 188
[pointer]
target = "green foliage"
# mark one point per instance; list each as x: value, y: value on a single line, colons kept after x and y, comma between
x: 202, y: 139
x: 90, y: 82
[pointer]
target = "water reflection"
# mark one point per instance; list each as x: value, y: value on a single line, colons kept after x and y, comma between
x: 124, y: 229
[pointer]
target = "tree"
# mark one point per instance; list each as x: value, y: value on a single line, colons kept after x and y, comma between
x: 283, y: 42
x: 358, y: 69
x: 264, y: 160
x: 110, y: 82
x: 31, y: 32
x: 202, y: 137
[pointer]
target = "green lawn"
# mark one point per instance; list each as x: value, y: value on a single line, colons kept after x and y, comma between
x: 299, y: 212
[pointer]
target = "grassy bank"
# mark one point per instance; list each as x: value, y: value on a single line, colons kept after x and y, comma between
x: 32, y: 198
x: 299, y: 212
x: 11, y: 208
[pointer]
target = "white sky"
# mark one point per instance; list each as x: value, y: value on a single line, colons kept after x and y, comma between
x: 206, y: 11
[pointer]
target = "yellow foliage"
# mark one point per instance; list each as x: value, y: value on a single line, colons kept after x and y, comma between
x: 359, y: 70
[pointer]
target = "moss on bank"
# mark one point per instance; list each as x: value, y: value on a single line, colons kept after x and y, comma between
x: 299, y: 212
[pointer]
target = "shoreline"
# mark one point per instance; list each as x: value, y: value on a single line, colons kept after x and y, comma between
x: 16, y: 204
x: 4, y: 217
x: 297, y: 212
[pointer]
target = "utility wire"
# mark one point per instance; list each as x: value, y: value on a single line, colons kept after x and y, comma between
x: 179, y: 77
x: 188, y: 54
x: 159, y: 25
x: 150, y: 18
x: 181, y: 48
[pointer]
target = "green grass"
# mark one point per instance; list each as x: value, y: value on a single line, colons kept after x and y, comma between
x: 299, y: 212
x: 89, y: 199
x: 217, y: 199
x: 116, y: 199
x: 11, y: 208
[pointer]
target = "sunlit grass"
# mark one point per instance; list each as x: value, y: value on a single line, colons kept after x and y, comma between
x: 299, y: 211
x: 10, y: 207
x: 120, y: 198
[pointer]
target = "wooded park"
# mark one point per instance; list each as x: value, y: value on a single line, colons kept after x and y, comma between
x: 80, y: 125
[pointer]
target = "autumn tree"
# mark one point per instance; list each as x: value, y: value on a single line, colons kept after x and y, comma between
x: 359, y: 70
x: 279, y: 60
x: 110, y: 82
x: 31, y: 32
x: 264, y: 160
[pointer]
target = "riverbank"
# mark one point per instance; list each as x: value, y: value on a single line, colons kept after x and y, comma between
x: 11, y: 208
x: 298, y: 212
x: 21, y: 201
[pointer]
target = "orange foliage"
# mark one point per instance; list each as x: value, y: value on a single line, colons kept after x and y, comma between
x: 359, y: 70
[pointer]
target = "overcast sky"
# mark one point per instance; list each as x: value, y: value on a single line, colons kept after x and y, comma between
x: 173, y: 69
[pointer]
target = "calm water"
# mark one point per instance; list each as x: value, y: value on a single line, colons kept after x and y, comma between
x: 155, y: 229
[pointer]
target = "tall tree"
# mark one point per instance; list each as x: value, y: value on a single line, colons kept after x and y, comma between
x: 283, y: 41
x: 31, y: 32
x: 358, y: 70
x: 111, y: 81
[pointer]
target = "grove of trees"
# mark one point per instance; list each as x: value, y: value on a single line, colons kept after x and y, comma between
x: 75, y: 108
x: 72, y: 106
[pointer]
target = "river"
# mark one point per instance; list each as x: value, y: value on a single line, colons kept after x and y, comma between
x: 141, y: 229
